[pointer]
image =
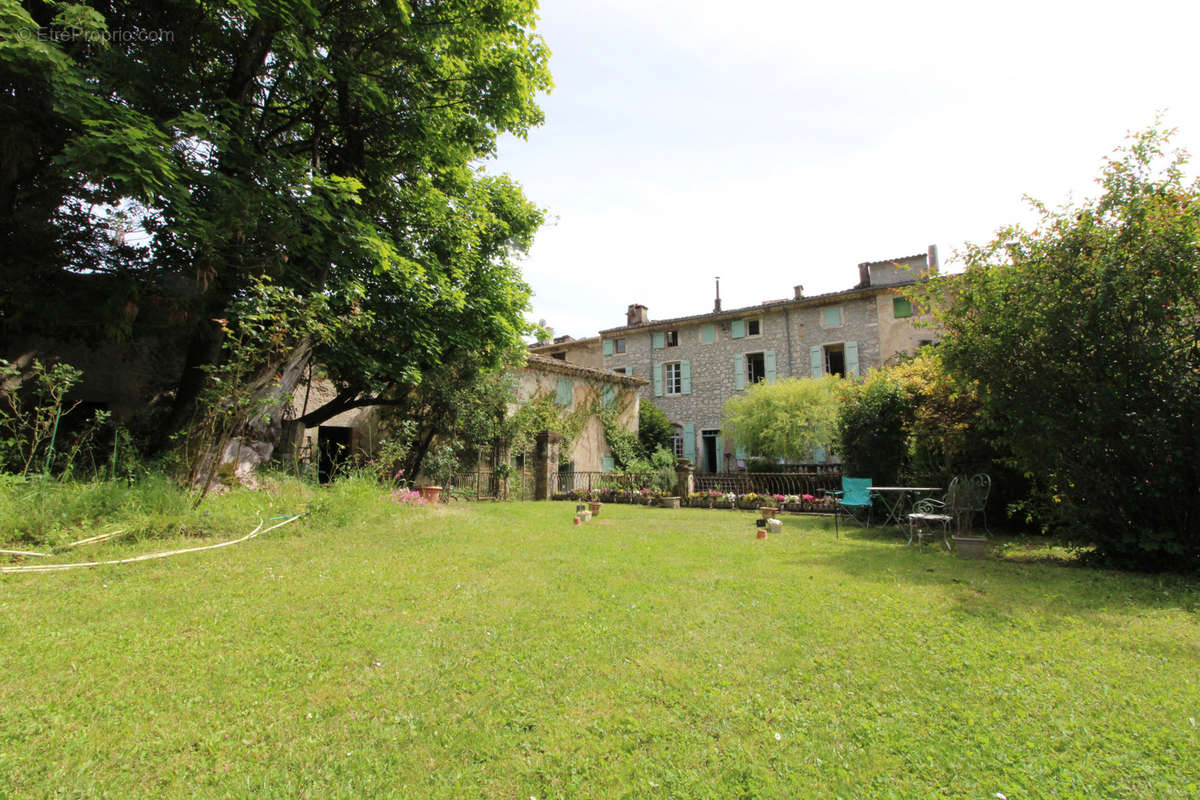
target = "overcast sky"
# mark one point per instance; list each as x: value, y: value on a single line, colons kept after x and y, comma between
x: 782, y: 143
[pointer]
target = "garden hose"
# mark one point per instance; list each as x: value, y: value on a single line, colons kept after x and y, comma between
x: 149, y: 556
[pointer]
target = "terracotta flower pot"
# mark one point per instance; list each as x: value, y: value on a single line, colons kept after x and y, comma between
x: 594, y: 507
x: 430, y: 493
x: 761, y: 534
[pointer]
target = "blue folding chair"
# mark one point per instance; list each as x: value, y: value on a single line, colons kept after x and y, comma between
x: 855, y: 501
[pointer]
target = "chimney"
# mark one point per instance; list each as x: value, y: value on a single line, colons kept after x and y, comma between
x: 799, y: 290
x: 864, y: 275
x: 717, y: 302
x: 933, y: 258
x: 636, y: 315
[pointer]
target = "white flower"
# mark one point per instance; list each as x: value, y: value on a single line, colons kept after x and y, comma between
x: 778, y: 736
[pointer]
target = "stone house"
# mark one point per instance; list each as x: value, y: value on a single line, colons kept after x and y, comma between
x: 583, y: 352
x: 694, y: 364
x: 575, y: 389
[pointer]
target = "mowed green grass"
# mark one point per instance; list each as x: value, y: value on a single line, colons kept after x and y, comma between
x: 495, y: 650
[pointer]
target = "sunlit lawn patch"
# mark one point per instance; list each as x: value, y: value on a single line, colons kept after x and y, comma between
x: 496, y: 650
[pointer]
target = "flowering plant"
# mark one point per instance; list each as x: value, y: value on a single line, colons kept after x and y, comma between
x: 792, y: 498
x: 407, y: 496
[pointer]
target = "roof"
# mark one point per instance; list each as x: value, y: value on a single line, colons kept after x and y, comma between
x: 894, y: 260
x: 800, y: 302
x: 547, y: 364
x: 567, y: 344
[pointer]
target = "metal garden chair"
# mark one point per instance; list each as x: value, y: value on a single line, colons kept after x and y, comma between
x: 962, y: 500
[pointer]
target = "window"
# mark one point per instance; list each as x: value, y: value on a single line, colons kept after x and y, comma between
x: 835, y: 360
x: 831, y: 317
x: 672, y: 378
x: 619, y: 345
x: 677, y: 446
x: 621, y: 370
x: 901, y: 308
x: 672, y: 338
x: 756, y: 367
x: 562, y: 356
x: 753, y: 327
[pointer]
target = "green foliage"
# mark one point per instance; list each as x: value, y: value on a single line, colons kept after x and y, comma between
x: 654, y: 428
x: 873, y: 424
x: 334, y: 149
x: 657, y: 471
x: 1081, y: 335
x: 786, y: 419
x: 911, y: 420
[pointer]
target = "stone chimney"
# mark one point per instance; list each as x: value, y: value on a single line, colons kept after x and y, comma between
x: 637, y: 315
x: 932, y: 264
x: 717, y: 302
x: 799, y: 290
x: 864, y: 275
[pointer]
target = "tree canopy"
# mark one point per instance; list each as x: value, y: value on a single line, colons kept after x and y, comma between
x: 787, y: 419
x: 1081, y: 335
x: 176, y: 154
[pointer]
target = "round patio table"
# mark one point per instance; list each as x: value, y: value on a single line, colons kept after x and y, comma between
x: 893, y: 499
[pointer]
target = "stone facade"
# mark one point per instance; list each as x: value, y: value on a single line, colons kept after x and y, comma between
x: 694, y: 364
x: 580, y: 352
x: 545, y: 375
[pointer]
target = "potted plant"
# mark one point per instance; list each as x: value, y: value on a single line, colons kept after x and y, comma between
x: 594, y: 507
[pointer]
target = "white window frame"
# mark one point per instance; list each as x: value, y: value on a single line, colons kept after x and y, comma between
x: 672, y: 386
x: 618, y: 347
x: 671, y: 338
x: 761, y: 378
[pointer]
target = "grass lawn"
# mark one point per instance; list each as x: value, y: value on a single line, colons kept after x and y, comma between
x: 495, y: 650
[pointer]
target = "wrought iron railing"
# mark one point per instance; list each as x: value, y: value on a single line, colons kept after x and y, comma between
x: 798, y: 483
x: 486, y: 485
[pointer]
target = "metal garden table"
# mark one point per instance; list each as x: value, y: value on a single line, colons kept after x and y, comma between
x: 893, y: 499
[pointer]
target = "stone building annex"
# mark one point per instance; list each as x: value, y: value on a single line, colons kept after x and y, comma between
x: 694, y: 364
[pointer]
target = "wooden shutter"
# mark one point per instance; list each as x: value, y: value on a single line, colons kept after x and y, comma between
x: 737, y: 329
x: 739, y: 452
x: 769, y: 365
x: 685, y: 377
x: 689, y: 442
x: 901, y: 308
x: 739, y: 372
x: 609, y: 396
x: 720, y: 445
x: 815, y: 361
x: 818, y: 455
x: 657, y: 369
x: 607, y: 347
x: 565, y: 392
x: 658, y: 340
x: 852, y: 359
x: 607, y: 464
x: 831, y: 317
x: 708, y: 334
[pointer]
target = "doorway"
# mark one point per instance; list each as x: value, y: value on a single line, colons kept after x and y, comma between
x: 711, y: 442
x: 333, y: 446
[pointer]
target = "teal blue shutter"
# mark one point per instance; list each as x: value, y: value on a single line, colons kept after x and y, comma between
x: 609, y: 396
x: 658, y: 340
x: 608, y: 347
x: 818, y: 455
x: 720, y: 445
x: 769, y: 365
x: 739, y: 372
x: 814, y: 361
x: 708, y: 334
x: 737, y: 329
x: 832, y: 317
x: 607, y: 464
x: 739, y: 452
x: 685, y: 377
x: 901, y: 308
x: 565, y: 392
x: 658, y: 381
x: 852, y: 358
x: 689, y: 442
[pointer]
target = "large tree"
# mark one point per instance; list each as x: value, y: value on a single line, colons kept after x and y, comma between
x: 1082, y: 336
x: 181, y: 153
x: 787, y: 419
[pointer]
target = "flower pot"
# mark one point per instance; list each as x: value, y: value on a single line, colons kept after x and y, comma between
x: 668, y: 502
x: 761, y: 534
x: 430, y: 494
x: 768, y: 511
x: 970, y: 546
x: 594, y: 507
